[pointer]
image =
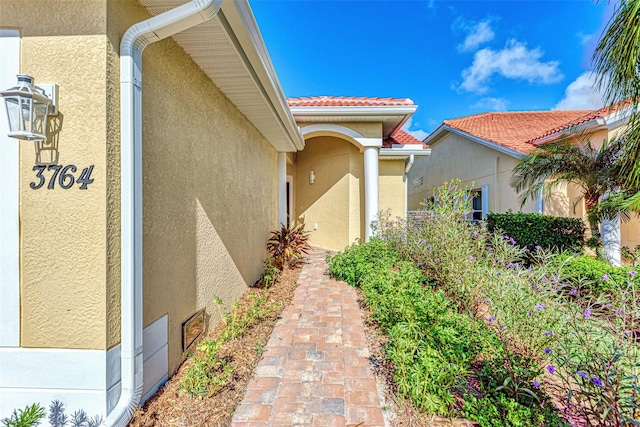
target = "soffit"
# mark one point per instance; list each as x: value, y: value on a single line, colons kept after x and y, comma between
x: 230, y: 51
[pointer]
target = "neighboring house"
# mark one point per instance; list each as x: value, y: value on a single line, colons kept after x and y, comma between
x: 482, y: 150
x: 189, y: 154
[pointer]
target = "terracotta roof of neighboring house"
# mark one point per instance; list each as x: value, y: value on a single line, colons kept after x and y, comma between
x: 346, y: 101
x: 590, y: 115
x: 516, y: 130
x: 401, y: 137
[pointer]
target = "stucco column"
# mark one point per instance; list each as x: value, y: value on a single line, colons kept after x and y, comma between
x: 371, y: 192
x: 610, y: 231
x: 282, y: 189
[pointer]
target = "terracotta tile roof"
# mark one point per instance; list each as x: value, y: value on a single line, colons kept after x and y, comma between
x: 590, y: 115
x: 516, y: 130
x: 401, y: 137
x: 346, y: 101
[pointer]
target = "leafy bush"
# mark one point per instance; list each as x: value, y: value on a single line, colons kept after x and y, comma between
x: 532, y: 230
x: 597, y: 276
x: 288, y: 245
x: 503, y: 411
x: 359, y: 259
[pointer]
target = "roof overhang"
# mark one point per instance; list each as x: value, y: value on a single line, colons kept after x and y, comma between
x: 403, y: 152
x: 231, y: 52
x: 609, y: 122
x: 437, y: 135
x: 392, y: 117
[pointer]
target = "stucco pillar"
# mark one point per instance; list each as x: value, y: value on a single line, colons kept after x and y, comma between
x: 371, y: 192
x: 610, y: 231
x: 282, y: 189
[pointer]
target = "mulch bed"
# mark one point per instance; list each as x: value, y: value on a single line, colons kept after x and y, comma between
x: 172, y: 407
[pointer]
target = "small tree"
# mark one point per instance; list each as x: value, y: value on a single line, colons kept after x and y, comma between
x: 592, y: 169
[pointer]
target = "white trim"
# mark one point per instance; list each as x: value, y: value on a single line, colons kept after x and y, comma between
x: 307, y: 130
x: 397, y: 154
x: 371, y: 189
x: 320, y: 129
x: 337, y: 111
x: 81, y: 379
x: 10, y: 196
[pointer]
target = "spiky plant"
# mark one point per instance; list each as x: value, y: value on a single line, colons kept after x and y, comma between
x: 30, y: 416
x: 57, y: 417
x: 287, y: 245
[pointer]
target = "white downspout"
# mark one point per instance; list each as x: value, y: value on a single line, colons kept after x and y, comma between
x: 133, y: 43
x: 408, y: 164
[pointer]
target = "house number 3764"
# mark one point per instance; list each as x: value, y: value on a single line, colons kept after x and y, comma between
x: 63, y: 175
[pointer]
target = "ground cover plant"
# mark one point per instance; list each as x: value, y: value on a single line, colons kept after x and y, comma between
x: 522, y: 344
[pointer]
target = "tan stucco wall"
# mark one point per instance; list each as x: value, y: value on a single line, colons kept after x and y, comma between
x: 62, y: 232
x: 210, y: 183
x: 333, y: 201
x: 210, y: 188
x: 455, y: 157
x: 392, y: 188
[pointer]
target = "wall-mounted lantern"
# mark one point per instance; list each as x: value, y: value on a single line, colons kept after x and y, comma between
x: 28, y: 108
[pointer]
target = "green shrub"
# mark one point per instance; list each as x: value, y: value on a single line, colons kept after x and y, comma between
x: 355, y: 261
x: 503, y: 411
x: 531, y: 230
x: 597, y: 276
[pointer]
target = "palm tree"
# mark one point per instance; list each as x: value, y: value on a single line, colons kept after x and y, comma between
x: 617, y: 65
x: 592, y: 169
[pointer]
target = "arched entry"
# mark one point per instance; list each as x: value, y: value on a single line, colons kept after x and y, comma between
x: 336, y: 186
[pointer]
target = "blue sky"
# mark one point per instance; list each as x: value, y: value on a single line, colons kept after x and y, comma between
x: 453, y: 58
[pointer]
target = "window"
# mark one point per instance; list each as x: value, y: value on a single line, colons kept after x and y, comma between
x: 479, y: 203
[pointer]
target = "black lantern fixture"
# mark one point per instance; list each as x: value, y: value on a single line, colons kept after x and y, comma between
x: 28, y: 108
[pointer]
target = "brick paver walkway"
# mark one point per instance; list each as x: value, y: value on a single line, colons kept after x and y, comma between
x: 315, y: 370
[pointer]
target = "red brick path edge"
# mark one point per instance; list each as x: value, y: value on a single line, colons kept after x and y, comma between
x: 315, y: 369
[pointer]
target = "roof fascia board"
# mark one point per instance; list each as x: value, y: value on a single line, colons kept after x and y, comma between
x: 489, y: 144
x: 243, y: 32
x: 355, y: 112
x: 396, y: 154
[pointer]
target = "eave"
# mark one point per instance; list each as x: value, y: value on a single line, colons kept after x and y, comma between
x: 392, y: 117
x: 230, y: 51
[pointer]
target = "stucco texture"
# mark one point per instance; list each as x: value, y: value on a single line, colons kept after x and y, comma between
x: 392, y: 189
x: 209, y: 188
x: 456, y: 157
x: 210, y: 183
x: 333, y: 201
x: 62, y: 249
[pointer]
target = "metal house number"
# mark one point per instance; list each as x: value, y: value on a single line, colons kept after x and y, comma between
x: 64, y: 175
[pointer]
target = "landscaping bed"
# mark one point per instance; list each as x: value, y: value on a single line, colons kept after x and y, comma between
x: 239, y: 347
x: 477, y: 328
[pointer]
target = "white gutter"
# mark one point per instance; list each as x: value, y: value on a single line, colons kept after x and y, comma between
x: 133, y: 43
x: 399, y: 154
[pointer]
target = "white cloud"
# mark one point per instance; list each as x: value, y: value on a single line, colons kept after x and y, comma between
x: 582, y: 94
x: 477, y: 34
x: 583, y: 38
x: 515, y: 61
x: 419, y: 134
x: 491, y: 104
